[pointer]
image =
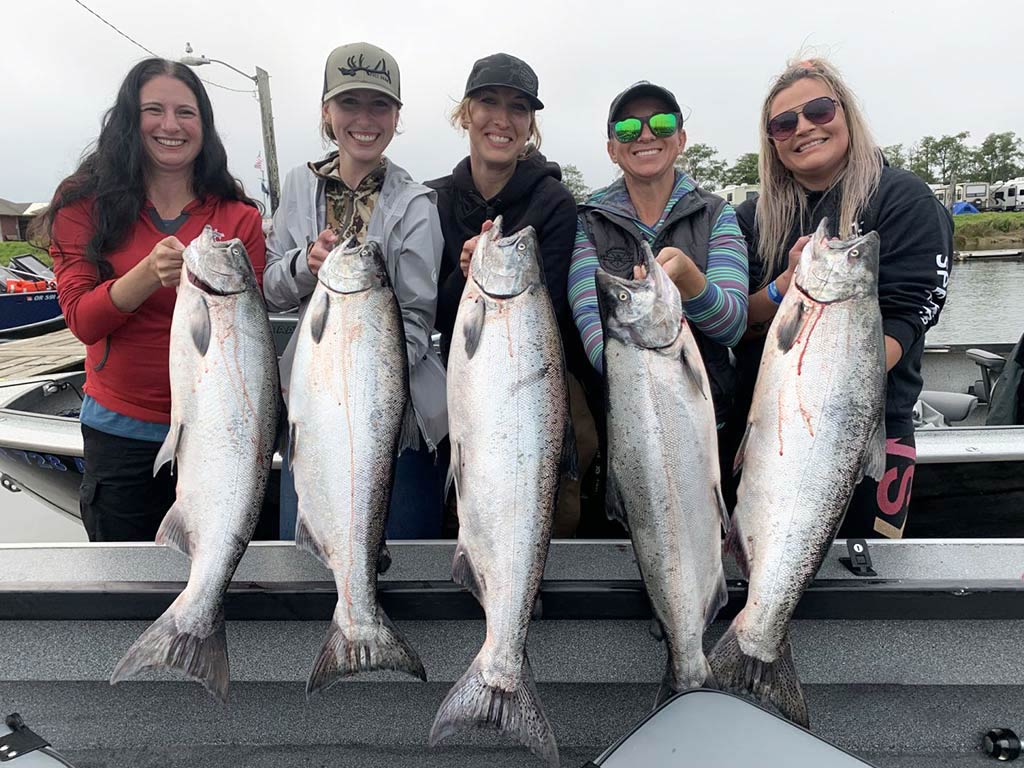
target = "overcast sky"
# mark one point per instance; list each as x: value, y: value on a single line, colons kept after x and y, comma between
x: 919, y: 67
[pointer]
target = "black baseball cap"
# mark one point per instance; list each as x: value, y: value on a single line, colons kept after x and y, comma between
x: 504, y: 70
x: 639, y: 90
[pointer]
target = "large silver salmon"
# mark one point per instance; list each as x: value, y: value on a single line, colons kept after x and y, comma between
x: 663, y: 475
x: 348, y: 402
x: 509, y: 417
x: 224, y: 410
x: 815, y: 429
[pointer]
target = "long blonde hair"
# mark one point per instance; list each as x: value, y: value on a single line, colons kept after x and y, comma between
x: 782, y: 200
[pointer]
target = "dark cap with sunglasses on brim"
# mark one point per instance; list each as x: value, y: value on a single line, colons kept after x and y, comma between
x: 639, y: 90
x: 502, y: 70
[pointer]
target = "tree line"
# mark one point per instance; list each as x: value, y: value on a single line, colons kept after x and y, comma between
x: 998, y: 158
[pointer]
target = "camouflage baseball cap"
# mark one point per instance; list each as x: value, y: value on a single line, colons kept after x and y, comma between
x: 361, y: 65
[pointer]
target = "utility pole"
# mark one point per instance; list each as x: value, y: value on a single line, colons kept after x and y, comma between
x: 262, y: 80
x: 269, y: 142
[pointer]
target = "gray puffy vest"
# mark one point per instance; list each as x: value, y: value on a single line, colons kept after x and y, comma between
x: 617, y: 241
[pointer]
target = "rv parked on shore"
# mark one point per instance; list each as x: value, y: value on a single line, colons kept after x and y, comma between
x: 1008, y: 195
x: 977, y: 193
x: 734, y: 194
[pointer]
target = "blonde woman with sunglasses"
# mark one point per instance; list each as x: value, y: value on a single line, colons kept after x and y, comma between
x: 819, y: 160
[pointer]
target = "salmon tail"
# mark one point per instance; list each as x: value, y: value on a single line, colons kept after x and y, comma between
x: 775, y: 685
x: 473, y: 703
x: 341, y: 657
x: 164, y: 646
x: 670, y: 686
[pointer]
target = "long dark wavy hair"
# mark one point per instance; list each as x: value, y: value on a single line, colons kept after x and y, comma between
x: 112, y: 172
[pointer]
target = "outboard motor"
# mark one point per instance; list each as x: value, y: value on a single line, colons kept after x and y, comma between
x: 681, y: 734
x: 23, y: 748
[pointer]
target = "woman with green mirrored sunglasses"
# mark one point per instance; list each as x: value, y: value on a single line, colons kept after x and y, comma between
x: 693, y: 233
x: 662, y: 125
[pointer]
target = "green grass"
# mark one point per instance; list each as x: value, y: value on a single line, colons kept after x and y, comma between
x: 996, y: 229
x: 11, y: 248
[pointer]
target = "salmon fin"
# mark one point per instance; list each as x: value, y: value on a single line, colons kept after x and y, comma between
x: 473, y: 703
x: 670, y: 686
x: 874, y: 457
x: 318, y: 319
x: 655, y: 630
x: 409, y: 436
x: 308, y: 542
x: 614, y: 505
x: 723, y: 509
x: 454, y: 470
x: 733, y: 545
x: 199, y: 327
x: 173, y: 531
x: 383, y: 558
x: 281, y: 428
x: 384, y: 649
x: 774, y: 685
x: 292, y: 435
x: 163, y: 646
x: 473, y: 326
x: 693, y: 373
x: 169, y: 449
x: 717, y: 601
x: 789, y: 325
x: 570, y: 464
x: 464, y: 573
x: 737, y: 462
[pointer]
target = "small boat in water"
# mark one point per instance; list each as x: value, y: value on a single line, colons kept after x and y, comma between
x: 41, y: 449
x: 28, y: 299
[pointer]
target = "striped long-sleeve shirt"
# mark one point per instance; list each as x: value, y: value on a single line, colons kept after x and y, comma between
x: 719, y: 311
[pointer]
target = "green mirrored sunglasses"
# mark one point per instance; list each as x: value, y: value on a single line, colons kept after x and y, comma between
x: 662, y: 125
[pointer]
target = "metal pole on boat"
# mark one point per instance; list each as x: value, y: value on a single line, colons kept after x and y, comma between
x: 262, y: 80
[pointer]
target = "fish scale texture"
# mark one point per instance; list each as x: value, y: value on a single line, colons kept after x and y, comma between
x: 663, y: 464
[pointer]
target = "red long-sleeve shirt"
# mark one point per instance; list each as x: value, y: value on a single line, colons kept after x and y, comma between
x: 126, y: 362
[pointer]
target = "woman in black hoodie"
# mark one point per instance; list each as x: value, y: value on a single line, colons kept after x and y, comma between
x: 506, y: 175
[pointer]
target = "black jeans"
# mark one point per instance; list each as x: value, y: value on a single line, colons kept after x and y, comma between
x: 119, y: 498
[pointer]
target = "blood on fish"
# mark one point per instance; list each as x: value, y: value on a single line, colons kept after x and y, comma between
x: 814, y: 324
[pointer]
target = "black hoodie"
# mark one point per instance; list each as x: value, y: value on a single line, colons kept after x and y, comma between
x: 534, y: 196
x: 915, y: 259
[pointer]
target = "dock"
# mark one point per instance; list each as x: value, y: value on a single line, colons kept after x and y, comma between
x: 1011, y: 254
x: 40, y: 355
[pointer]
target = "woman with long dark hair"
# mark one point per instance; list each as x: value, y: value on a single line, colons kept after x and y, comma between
x: 117, y: 228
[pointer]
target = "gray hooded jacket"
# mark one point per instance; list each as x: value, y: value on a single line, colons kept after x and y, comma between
x: 406, y: 224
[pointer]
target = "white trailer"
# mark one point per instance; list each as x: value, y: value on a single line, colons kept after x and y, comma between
x: 734, y: 194
x: 1008, y: 195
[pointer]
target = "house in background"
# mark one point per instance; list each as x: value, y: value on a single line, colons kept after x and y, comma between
x: 15, y: 218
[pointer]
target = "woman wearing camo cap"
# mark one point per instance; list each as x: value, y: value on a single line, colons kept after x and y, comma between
x: 355, y: 191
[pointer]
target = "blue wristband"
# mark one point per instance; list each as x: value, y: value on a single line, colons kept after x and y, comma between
x: 773, y: 293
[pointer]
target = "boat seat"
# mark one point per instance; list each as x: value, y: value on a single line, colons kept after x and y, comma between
x: 952, y: 405
x: 991, y: 366
x: 987, y: 360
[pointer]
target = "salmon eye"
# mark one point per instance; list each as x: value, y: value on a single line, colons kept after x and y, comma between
x: 854, y: 253
x: 623, y: 296
x: 520, y: 246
